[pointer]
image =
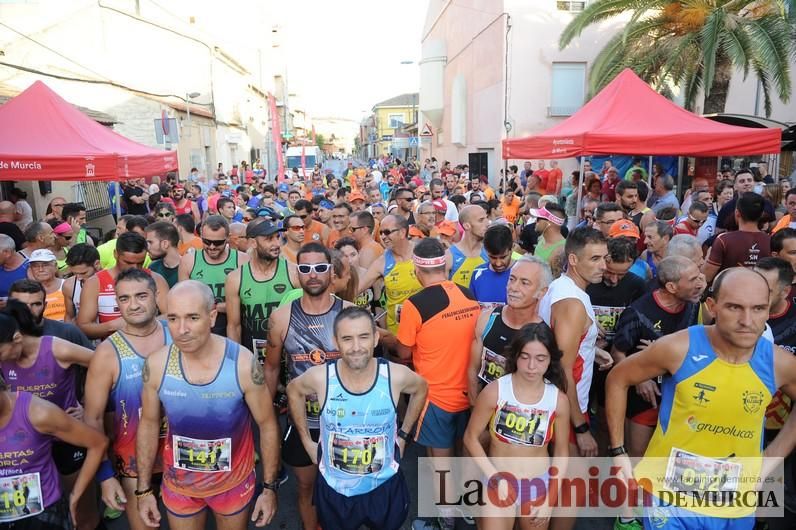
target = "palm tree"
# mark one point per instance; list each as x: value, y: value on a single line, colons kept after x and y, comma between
x: 695, y: 44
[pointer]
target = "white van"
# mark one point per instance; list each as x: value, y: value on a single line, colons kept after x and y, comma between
x: 312, y: 155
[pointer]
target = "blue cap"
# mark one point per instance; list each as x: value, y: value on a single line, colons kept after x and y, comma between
x: 283, y: 187
x: 326, y: 203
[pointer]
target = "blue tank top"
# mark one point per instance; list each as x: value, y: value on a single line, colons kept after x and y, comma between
x: 358, y: 433
x: 125, y: 400
x: 209, y: 448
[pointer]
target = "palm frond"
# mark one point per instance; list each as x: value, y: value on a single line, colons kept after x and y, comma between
x: 711, y: 37
x: 737, y: 45
x: 773, y: 49
x: 600, y: 10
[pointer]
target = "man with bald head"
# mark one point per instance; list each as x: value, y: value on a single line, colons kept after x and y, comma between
x: 716, y: 382
x: 210, y: 389
x: 8, y: 226
x: 38, y: 235
x: 395, y: 266
x: 463, y: 257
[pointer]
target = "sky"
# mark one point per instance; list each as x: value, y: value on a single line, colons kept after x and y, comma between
x: 345, y: 55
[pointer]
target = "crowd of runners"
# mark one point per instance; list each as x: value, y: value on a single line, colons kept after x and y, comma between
x: 233, y: 328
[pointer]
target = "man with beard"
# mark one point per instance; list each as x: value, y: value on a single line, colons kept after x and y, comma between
x: 351, y: 492
x: 213, y: 264
x: 99, y: 312
x: 115, y: 377
x: 672, y: 307
x: 162, y: 241
x: 303, y: 333
x: 404, y: 199
x: 528, y: 281
x: 488, y: 283
x: 182, y: 205
x: 255, y: 289
x: 463, y: 257
x: 437, y: 188
x: 627, y: 199
x: 32, y: 294
x: 83, y: 263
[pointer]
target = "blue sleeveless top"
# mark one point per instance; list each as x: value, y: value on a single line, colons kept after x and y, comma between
x: 358, y: 433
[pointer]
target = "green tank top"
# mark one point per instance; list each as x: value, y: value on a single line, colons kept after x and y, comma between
x: 214, y: 275
x: 258, y: 299
x: 81, y: 236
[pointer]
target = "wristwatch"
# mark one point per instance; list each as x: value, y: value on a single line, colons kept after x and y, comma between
x: 583, y: 428
x: 405, y: 436
x: 616, y: 451
x: 273, y: 486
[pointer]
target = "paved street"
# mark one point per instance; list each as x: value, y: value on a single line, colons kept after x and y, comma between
x: 287, y: 516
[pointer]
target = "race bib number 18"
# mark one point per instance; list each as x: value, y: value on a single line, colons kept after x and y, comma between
x: 20, y: 497
x: 203, y: 456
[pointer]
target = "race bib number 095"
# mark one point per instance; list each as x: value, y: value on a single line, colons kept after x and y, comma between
x: 493, y: 366
x: 203, y: 456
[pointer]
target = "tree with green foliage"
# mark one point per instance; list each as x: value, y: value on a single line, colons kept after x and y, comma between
x: 320, y: 140
x: 695, y: 44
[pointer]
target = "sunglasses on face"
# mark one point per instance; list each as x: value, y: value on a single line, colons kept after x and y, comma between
x: 296, y: 228
x: 214, y: 242
x: 164, y: 214
x: 388, y: 233
x: 317, y: 268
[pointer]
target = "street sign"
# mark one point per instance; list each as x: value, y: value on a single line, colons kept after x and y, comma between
x: 172, y: 135
x: 413, y: 141
x: 427, y: 131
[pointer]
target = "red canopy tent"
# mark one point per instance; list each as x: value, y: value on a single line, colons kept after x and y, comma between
x: 43, y: 137
x: 629, y: 118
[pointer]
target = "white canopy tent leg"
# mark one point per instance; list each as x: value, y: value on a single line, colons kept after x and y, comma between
x: 579, y: 208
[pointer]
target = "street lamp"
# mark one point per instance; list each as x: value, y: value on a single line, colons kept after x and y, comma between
x: 188, y: 97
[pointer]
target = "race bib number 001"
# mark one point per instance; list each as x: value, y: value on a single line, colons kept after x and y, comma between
x: 694, y: 473
x: 357, y: 455
x: 493, y: 366
x: 203, y: 456
x: 520, y: 425
x: 20, y: 497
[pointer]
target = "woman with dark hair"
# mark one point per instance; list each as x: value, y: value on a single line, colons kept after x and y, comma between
x: 521, y: 411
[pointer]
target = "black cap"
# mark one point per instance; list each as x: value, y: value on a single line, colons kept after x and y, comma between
x: 263, y: 228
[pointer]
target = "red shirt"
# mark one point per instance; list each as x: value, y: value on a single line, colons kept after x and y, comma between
x: 609, y: 190
x: 684, y: 228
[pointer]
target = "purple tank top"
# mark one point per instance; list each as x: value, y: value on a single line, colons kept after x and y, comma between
x: 28, y: 477
x: 45, y: 378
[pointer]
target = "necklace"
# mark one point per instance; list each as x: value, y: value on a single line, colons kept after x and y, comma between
x: 148, y: 333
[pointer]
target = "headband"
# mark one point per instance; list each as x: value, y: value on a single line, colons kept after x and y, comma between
x: 428, y: 262
x: 62, y: 228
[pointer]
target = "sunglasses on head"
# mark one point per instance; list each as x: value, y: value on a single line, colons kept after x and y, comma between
x: 317, y: 268
x: 214, y: 242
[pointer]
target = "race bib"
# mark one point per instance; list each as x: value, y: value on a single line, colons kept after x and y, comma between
x: 313, y: 410
x: 694, y: 473
x: 20, y: 497
x: 357, y: 455
x: 203, y: 456
x: 493, y: 366
x: 607, y: 317
x: 258, y: 349
x: 521, y: 425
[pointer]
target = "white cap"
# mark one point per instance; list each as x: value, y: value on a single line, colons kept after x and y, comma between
x: 43, y: 255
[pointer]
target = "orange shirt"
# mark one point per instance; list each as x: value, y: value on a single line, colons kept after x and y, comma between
x: 334, y: 237
x: 553, y: 179
x: 438, y: 323
x: 511, y: 211
x: 315, y: 233
x: 195, y: 243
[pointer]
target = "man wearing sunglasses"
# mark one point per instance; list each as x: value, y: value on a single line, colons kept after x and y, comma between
x: 697, y: 215
x: 395, y: 266
x: 303, y: 332
x: 294, y: 237
x: 255, y: 289
x: 213, y: 264
x: 313, y: 230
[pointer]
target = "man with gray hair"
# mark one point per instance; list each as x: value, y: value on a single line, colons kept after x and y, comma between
x: 38, y: 234
x: 528, y: 281
x: 13, y: 266
x: 673, y: 306
x: 663, y: 194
